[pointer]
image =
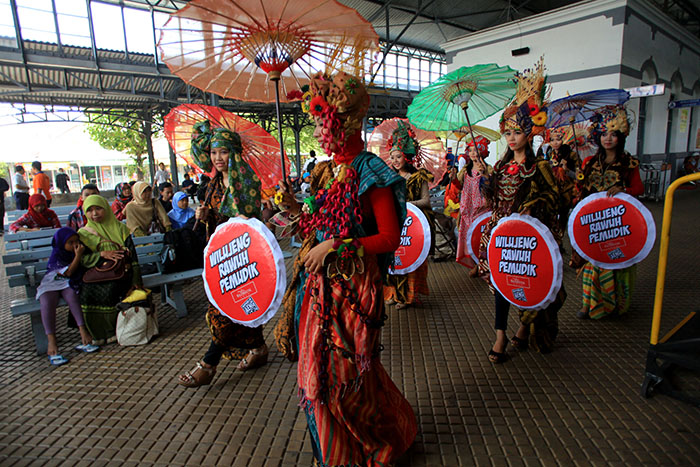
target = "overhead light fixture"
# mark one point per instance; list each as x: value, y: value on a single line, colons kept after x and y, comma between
x: 520, y: 51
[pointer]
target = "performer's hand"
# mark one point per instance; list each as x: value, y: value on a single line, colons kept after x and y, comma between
x: 243, y: 217
x: 289, y: 202
x: 527, y: 212
x: 313, y: 262
x: 613, y: 190
x: 201, y: 213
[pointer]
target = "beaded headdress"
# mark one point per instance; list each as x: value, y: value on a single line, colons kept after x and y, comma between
x: 561, y: 131
x: 404, y: 139
x: 528, y: 110
x: 610, y: 118
x: 200, y: 145
x: 341, y: 101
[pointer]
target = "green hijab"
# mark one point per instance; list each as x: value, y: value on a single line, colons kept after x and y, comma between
x: 110, y: 228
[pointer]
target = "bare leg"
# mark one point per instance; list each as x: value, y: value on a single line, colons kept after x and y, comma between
x: 53, y: 346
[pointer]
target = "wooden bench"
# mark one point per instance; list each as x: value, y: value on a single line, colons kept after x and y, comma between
x: 61, y: 211
x: 25, y: 268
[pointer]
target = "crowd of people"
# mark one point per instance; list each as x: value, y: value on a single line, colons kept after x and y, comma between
x: 95, y: 233
x: 331, y: 318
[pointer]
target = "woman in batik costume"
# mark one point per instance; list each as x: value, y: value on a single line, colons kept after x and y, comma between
x: 613, y: 170
x: 404, y: 157
x: 234, y: 191
x: 523, y: 183
x: 471, y: 201
x: 334, y: 309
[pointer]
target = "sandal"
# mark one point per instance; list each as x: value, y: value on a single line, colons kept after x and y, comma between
x: 497, y: 357
x: 401, y: 306
x: 518, y: 343
x: 200, y: 376
x: 57, y: 360
x: 255, y: 358
x: 390, y: 302
x: 87, y: 348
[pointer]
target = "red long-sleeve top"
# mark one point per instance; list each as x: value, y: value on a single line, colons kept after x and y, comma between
x: 379, y: 203
x: 636, y: 187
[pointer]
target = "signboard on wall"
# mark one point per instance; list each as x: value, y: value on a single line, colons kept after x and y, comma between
x: 684, y: 103
x: 683, y: 120
x: 646, y: 91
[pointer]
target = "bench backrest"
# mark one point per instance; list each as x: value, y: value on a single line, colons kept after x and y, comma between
x: 61, y: 211
x: 26, y: 268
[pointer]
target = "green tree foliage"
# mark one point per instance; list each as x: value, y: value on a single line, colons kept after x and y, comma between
x: 124, y: 133
x: 307, y: 142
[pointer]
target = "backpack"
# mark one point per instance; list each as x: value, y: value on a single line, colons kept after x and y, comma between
x: 183, y: 249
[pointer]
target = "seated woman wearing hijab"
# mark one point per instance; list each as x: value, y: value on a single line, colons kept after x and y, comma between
x: 122, y: 193
x: 181, y: 212
x: 38, y: 216
x: 107, y: 239
x: 145, y: 215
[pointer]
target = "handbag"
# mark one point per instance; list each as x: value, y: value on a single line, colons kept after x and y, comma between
x: 106, y: 270
x: 156, y: 225
x: 137, y: 321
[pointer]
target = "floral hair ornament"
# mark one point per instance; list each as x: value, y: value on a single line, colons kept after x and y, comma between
x: 528, y: 110
x: 341, y: 102
x: 404, y: 139
x: 482, y: 146
x: 610, y: 118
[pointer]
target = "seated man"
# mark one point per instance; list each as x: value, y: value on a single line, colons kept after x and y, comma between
x: 189, y: 186
x: 166, y: 195
x: 76, y: 218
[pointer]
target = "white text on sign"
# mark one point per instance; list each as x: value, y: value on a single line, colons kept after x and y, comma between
x: 605, y: 224
x: 234, y: 263
x: 516, y: 255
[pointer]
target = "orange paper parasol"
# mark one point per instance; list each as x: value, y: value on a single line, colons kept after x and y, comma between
x: 260, y: 149
x: 233, y: 48
x: 431, y: 154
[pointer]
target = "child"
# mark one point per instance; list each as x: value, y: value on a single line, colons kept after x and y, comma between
x: 181, y: 211
x: 62, y: 280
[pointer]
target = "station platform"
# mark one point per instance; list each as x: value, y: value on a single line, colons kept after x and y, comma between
x: 580, y: 405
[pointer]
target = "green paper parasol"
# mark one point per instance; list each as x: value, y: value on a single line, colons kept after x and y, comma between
x: 482, y: 89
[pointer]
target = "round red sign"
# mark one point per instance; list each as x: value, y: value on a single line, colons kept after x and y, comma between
x: 525, y: 262
x: 244, y: 274
x: 476, y: 228
x: 415, y: 242
x: 612, y: 232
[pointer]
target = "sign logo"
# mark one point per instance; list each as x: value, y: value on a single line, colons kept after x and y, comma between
x: 525, y: 262
x: 612, y: 232
x: 415, y: 242
x: 476, y: 228
x: 244, y: 273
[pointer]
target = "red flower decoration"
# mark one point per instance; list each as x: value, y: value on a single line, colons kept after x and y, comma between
x: 295, y: 95
x: 534, y: 109
x: 513, y: 169
x: 318, y: 106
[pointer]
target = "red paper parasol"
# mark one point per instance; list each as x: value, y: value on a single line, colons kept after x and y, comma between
x: 431, y: 155
x: 260, y: 149
x: 233, y: 48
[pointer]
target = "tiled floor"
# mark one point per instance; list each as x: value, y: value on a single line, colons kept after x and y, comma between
x: 577, y: 406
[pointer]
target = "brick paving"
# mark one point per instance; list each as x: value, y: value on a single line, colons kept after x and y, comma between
x: 577, y: 406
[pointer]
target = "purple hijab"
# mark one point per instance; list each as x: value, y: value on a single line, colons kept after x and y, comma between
x: 60, y: 258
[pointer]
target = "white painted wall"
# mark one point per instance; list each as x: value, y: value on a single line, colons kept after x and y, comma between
x: 599, y: 44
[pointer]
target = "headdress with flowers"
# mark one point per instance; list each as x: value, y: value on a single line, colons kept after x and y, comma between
x: 610, y: 118
x: 528, y: 111
x: 482, y: 145
x: 561, y: 131
x: 341, y: 102
x: 404, y: 139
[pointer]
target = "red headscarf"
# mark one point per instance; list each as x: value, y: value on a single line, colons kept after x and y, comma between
x: 40, y: 218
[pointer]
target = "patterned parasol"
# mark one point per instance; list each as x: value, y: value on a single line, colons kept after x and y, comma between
x: 578, y: 138
x: 581, y: 107
x: 479, y: 90
x: 431, y: 152
x: 260, y: 148
x: 233, y: 48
